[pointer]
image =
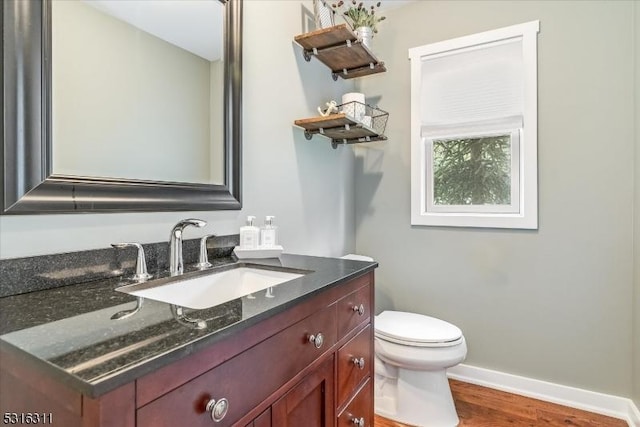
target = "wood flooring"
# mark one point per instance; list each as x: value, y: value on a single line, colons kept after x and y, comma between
x: 485, y: 407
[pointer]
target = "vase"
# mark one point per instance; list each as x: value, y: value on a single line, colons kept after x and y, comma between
x: 365, y: 34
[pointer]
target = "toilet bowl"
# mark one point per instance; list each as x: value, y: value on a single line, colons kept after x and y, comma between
x: 412, y: 354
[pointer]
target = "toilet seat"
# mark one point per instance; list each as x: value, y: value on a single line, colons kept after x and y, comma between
x: 416, y: 330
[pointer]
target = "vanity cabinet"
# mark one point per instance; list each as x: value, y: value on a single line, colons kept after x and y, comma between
x: 311, y: 365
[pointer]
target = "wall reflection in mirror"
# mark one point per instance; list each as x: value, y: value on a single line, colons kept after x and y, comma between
x: 137, y: 89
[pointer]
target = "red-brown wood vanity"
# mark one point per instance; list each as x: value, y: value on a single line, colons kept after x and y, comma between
x: 311, y: 365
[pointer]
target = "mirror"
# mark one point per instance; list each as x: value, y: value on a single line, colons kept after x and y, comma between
x: 50, y: 123
x: 135, y: 121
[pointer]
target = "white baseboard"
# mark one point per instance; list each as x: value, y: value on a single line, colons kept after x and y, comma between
x: 599, y: 403
x: 634, y: 417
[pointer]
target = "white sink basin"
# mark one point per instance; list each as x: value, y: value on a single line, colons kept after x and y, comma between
x: 212, y: 289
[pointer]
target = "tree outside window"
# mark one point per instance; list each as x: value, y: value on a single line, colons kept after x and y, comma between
x: 472, y: 171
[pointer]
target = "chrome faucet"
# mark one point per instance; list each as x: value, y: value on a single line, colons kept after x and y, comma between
x: 141, y: 274
x: 203, y: 258
x: 176, y: 265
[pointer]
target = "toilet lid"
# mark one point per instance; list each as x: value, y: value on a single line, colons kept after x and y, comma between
x: 415, y: 328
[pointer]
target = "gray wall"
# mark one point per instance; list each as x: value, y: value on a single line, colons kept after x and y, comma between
x: 307, y: 185
x: 636, y: 298
x: 553, y: 304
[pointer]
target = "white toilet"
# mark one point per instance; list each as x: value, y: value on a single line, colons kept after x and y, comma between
x: 413, y: 353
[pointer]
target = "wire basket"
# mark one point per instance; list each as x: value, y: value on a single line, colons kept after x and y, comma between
x: 365, y: 115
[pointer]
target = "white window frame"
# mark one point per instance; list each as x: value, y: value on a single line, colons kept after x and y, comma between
x: 423, y: 210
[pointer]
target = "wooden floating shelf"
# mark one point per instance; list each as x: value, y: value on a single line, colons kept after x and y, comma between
x: 340, y: 128
x: 340, y: 50
x: 326, y: 37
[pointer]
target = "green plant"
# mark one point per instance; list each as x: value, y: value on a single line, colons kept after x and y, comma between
x: 358, y: 14
x: 472, y: 171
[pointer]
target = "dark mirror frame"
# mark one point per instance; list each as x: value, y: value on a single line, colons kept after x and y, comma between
x: 29, y: 185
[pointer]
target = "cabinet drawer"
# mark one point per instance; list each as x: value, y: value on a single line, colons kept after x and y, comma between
x: 354, y: 310
x: 354, y: 364
x: 245, y: 380
x: 360, y: 408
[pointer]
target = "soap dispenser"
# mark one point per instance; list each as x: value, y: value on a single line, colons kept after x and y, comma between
x: 249, y: 234
x: 268, y: 233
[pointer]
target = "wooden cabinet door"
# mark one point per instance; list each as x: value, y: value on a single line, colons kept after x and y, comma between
x: 310, y: 403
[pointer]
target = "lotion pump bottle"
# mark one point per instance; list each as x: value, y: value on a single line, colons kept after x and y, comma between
x: 268, y: 233
x: 249, y: 234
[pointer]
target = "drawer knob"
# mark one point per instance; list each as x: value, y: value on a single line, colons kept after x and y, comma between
x: 358, y: 361
x: 317, y: 340
x: 218, y: 409
x: 358, y: 421
x: 359, y: 309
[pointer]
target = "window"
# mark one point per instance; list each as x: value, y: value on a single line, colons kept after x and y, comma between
x: 474, y: 130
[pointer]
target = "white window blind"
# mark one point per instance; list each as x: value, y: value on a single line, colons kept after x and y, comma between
x: 473, y: 87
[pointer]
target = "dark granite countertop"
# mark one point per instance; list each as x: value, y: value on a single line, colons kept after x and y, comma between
x: 68, y: 331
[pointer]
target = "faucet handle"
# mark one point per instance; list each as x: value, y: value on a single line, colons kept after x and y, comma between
x: 203, y: 259
x: 141, y: 263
